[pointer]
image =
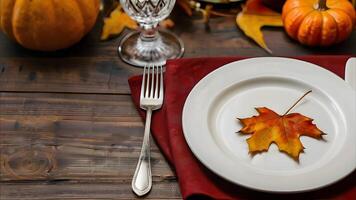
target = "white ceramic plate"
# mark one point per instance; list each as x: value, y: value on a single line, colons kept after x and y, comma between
x: 234, y: 90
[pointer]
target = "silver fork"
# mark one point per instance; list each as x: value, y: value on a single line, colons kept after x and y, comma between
x: 151, y: 99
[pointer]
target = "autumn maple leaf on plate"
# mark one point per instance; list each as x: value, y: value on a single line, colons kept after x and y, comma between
x: 283, y: 130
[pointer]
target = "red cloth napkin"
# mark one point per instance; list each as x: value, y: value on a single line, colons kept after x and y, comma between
x: 195, y: 180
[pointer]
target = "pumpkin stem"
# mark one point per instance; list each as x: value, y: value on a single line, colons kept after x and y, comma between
x: 322, y: 5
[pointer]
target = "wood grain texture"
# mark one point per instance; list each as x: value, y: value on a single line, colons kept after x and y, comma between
x: 93, y: 66
x: 64, y: 190
x: 69, y: 75
x: 68, y: 128
x: 79, y: 140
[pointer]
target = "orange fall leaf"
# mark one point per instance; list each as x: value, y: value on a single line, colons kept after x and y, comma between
x: 284, y: 130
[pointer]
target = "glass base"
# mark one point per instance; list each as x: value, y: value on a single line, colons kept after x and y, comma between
x: 135, y: 51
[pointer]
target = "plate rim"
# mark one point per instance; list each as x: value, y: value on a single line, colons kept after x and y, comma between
x: 259, y: 59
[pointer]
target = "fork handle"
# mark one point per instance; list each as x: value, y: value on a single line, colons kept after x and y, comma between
x: 142, y: 179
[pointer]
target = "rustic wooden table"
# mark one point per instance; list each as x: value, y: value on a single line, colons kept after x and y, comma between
x: 68, y: 128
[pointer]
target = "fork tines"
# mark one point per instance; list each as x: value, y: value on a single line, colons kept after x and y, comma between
x: 152, y: 82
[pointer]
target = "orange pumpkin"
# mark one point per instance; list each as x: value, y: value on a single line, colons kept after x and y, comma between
x: 48, y: 25
x: 318, y: 22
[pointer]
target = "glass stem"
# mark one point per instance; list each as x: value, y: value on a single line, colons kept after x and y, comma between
x: 149, y: 32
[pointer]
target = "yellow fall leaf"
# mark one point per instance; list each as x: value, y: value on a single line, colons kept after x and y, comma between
x: 167, y: 23
x: 116, y: 23
x: 251, y: 25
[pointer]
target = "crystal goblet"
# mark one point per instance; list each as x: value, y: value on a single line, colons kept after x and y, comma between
x: 149, y: 46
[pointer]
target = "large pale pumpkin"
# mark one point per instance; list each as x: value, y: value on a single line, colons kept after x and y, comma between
x: 318, y: 22
x: 48, y: 25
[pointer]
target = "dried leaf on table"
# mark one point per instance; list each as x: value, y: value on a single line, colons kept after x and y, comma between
x: 186, y: 6
x: 283, y: 130
x: 116, y: 23
x: 253, y: 17
x: 107, y: 6
x: 167, y: 23
x: 207, y: 12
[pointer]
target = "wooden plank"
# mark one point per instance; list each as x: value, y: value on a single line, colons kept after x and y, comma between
x: 82, y: 75
x: 74, y: 138
x: 64, y: 190
x: 93, y: 66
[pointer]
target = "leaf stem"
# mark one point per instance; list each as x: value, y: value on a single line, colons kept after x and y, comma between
x: 297, y: 102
